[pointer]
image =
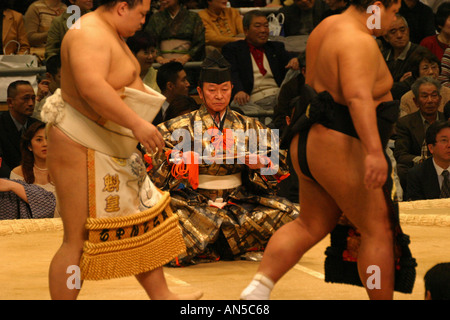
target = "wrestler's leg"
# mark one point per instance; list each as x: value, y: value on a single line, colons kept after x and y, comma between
x: 318, y: 217
x: 67, y: 165
x: 339, y: 167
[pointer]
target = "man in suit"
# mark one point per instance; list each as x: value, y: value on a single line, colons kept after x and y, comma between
x: 410, y: 148
x: 21, y: 100
x: 428, y: 180
x: 258, y: 66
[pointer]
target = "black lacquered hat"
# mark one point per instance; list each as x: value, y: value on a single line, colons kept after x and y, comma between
x: 215, y: 69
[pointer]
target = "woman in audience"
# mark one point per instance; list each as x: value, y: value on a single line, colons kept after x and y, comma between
x: 143, y: 47
x: 222, y: 24
x: 13, y: 36
x: 439, y: 42
x: 29, y: 192
x: 179, y: 33
x: 38, y: 19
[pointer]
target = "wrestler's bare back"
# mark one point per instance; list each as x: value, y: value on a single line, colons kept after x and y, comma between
x: 122, y: 69
x: 342, y: 53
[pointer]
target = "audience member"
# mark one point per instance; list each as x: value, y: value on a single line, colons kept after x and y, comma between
x: 429, y: 179
x: 437, y: 43
x: 20, y: 100
x: 33, y: 167
x: 420, y: 19
x: 59, y: 27
x: 222, y: 24
x: 52, y: 82
x: 424, y: 64
x: 289, y: 92
x: 400, y: 49
x: 179, y: 33
x: 172, y: 80
x: 29, y: 193
x: 179, y: 106
x: 228, y: 208
x: 13, y: 36
x: 258, y: 66
x: 38, y: 19
x: 410, y: 148
x: 437, y: 282
x: 302, y: 16
x: 143, y: 47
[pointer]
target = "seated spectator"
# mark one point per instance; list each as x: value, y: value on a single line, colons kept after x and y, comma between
x: 400, y: 49
x: 429, y: 179
x: 179, y: 33
x: 59, y: 27
x: 420, y: 19
x: 335, y: 7
x: 38, y: 19
x: 49, y: 85
x: 21, y: 100
x: 302, y: 16
x: 172, y: 80
x: 230, y: 206
x: 29, y: 194
x: 14, y: 38
x: 144, y: 49
x: 289, y: 92
x: 410, y: 148
x: 437, y: 282
x: 258, y: 66
x: 222, y: 24
x: 179, y: 106
x: 437, y: 43
x: 33, y: 167
x: 423, y: 64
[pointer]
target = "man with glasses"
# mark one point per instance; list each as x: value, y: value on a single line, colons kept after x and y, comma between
x: 21, y: 100
x: 410, y: 147
x: 430, y: 179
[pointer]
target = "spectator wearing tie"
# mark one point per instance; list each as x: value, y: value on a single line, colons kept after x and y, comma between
x: 430, y: 179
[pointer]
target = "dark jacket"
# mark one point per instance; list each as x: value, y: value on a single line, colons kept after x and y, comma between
x: 238, y: 55
x: 9, y: 144
x: 423, y: 182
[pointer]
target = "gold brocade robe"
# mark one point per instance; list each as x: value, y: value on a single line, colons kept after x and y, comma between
x: 252, y: 212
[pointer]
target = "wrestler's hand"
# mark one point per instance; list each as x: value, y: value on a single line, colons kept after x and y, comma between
x: 242, y: 98
x: 148, y: 135
x: 255, y: 162
x: 376, y: 168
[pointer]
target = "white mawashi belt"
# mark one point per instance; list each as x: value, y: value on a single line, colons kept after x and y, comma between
x: 219, y: 182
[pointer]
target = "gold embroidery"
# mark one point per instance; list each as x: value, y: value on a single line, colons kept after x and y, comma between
x: 112, y: 203
x: 111, y: 183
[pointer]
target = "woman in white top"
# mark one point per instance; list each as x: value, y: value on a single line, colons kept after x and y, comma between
x: 33, y: 169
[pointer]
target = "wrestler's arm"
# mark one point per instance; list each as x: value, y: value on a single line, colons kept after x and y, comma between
x: 90, y: 64
x: 358, y: 64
